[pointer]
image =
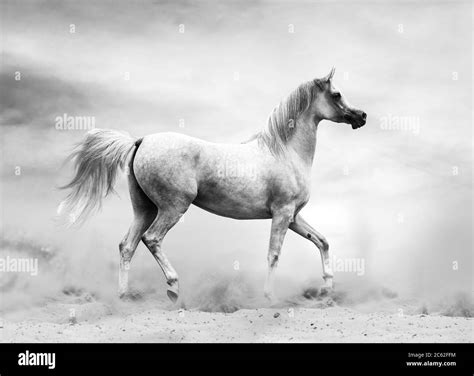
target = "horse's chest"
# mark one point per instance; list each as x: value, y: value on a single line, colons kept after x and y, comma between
x: 293, y: 189
x: 302, y: 196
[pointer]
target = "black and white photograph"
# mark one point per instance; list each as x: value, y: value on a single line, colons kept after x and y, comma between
x: 236, y: 172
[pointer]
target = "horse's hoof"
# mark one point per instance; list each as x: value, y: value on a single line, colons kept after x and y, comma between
x: 122, y: 295
x: 327, y: 288
x: 131, y: 295
x: 173, y: 292
x: 172, y: 295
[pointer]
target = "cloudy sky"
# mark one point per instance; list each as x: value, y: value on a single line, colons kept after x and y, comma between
x: 399, y: 198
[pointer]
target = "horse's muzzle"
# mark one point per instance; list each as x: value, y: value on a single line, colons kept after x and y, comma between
x: 357, y: 125
x: 357, y: 119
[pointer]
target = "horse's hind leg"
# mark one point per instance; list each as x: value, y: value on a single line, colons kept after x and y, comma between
x: 128, y: 246
x: 153, y: 238
x: 144, y: 211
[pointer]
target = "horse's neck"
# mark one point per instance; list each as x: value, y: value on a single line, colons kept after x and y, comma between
x: 303, y: 141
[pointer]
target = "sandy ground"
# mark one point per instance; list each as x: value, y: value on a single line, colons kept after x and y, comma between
x: 64, y: 304
x: 139, y: 321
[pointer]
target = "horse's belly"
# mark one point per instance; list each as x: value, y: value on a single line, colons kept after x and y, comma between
x: 230, y: 210
x: 233, y: 200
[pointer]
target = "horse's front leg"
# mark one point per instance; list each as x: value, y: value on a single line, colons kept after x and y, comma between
x: 280, y: 221
x: 301, y: 227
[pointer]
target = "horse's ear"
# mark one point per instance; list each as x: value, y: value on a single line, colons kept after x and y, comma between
x: 330, y: 75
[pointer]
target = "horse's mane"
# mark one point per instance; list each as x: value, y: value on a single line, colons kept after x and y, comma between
x: 278, y: 132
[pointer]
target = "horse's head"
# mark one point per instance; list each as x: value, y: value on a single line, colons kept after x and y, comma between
x: 330, y: 104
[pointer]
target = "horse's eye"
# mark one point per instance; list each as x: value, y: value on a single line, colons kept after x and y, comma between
x: 336, y: 96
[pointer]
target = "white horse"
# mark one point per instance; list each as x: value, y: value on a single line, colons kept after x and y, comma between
x: 267, y: 176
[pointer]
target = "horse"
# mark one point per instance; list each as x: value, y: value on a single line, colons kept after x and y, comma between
x: 265, y: 177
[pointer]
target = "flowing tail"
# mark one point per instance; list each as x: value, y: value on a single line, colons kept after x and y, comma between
x: 97, y: 160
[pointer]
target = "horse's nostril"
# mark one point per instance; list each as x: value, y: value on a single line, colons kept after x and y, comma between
x: 364, y: 115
